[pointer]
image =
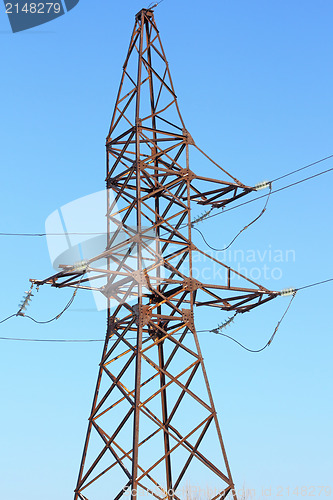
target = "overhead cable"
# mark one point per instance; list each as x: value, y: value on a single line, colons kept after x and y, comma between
x: 204, y: 216
x: 302, y: 168
x: 240, y: 232
x: 218, y: 332
x: 268, y: 194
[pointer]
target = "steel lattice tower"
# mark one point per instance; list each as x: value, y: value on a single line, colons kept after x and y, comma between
x: 153, y: 411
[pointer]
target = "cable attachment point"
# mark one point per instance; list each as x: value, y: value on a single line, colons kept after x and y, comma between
x: 25, y: 302
x: 80, y: 266
x: 262, y: 185
x: 225, y: 324
x: 201, y: 217
x: 288, y: 291
x: 154, y: 5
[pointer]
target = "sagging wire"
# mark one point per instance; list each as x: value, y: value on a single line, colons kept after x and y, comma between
x: 69, y: 303
x: 67, y: 306
x: 258, y: 186
x: 26, y: 301
x: 218, y: 330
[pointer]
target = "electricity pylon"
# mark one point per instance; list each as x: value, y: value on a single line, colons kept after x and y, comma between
x: 153, y: 413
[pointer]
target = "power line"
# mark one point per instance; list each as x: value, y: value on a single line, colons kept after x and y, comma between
x: 51, y: 340
x: 152, y: 5
x: 208, y: 216
x: 314, y: 284
x: 267, y: 343
x: 204, y: 218
x: 302, y: 168
x: 69, y: 303
x: 240, y: 232
x: 6, y: 319
x: 53, y: 234
x: 76, y: 289
x: 21, y: 309
x: 215, y: 330
x: 268, y: 194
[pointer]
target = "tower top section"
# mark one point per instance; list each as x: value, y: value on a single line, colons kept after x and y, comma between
x: 146, y: 12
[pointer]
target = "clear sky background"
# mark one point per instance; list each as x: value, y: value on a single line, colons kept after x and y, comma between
x: 254, y: 83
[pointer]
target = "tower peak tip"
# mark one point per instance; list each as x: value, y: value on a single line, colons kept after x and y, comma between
x: 147, y: 12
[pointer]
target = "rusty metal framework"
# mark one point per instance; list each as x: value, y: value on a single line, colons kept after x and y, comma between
x: 153, y: 410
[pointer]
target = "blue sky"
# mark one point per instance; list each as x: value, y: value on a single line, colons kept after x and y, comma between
x: 254, y: 83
